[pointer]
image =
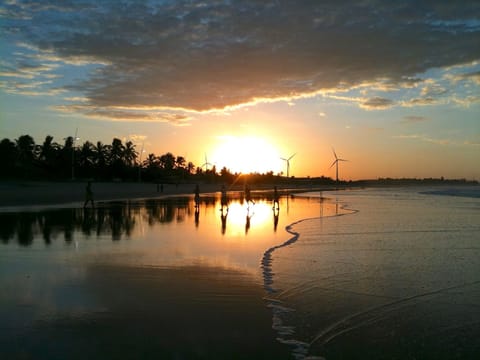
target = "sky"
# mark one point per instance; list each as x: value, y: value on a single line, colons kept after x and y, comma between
x: 392, y: 86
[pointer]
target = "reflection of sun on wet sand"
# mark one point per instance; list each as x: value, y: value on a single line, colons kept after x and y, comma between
x: 183, y: 284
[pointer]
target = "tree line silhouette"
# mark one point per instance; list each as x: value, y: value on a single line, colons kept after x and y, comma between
x: 24, y: 159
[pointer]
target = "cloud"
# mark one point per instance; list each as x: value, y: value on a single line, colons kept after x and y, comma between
x: 137, y: 138
x: 473, y: 76
x: 377, y: 103
x: 119, y: 114
x: 414, y: 119
x: 433, y: 89
x: 467, y: 101
x: 422, y: 102
x: 215, y: 55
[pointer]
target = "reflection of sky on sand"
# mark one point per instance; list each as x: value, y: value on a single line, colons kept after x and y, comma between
x: 149, y: 264
x: 237, y: 246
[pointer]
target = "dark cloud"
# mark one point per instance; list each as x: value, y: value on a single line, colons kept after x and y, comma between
x: 377, y: 103
x: 421, y: 101
x: 215, y: 54
x: 473, y: 76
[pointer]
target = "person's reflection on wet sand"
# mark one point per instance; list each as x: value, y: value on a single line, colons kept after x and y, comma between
x: 197, y: 196
x: 276, y: 213
x: 223, y: 218
x: 197, y: 216
x: 276, y: 204
x: 224, y: 198
x: 247, y: 221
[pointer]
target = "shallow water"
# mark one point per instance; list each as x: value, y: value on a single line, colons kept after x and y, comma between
x: 397, y: 279
x: 396, y: 276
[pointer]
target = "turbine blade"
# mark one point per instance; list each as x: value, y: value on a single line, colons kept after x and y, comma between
x: 334, y: 153
x: 333, y: 164
x: 343, y: 160
x: 292, y: 156
x: 283, y: 159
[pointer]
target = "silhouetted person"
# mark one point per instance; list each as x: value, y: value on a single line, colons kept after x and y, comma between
x: 276, y: 203
x: 223, y: 218
x: 197, y: 196
x: 224, y: 198
x: 88, y: 195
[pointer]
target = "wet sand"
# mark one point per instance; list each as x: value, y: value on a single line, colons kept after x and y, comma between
x: 38, y: 193
x: 147, y: 312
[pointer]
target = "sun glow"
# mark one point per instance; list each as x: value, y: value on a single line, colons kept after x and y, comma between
x: 245, y: 155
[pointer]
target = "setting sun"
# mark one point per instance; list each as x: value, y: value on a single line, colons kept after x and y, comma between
x: 246, y: 154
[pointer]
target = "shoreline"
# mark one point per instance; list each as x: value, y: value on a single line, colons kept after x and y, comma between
x: 18, y: 195
x: 34, y: 194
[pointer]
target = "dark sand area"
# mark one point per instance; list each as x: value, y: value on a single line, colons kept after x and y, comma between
x: 31, y: 193
x: 186, y: 313
x: 35, y: 193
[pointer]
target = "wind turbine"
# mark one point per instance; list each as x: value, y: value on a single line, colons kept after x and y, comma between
x: 336, y: 162
x: 288, y: 164
x: 206, y: 163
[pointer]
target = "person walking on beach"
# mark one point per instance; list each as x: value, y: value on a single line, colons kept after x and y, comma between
x: 88, y: 195
x: 197, y: 196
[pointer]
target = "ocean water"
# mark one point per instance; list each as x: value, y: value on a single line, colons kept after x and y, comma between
x: 372, y: 273
x: 397, y: 278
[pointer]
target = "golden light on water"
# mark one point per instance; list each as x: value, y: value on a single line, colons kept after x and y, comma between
x: 246, y: 154
x: 240, y: 218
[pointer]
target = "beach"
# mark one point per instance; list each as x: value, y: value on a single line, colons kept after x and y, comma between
x: 39, y: 193
x: 33, y: 193
x: 325, y: 276
x: 148, y: 277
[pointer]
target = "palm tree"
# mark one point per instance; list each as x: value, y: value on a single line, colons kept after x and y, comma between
x: 167, y: 162
x: 100, y: 156
x: 67, y: 156
x: 116, y: 151
x: 151, y: 161
x: 152, y: 166
x: 130, y: 154
x: 8, y: 156
x: 117, y: 163
x: 25, y: 147
x: 190, y: 167
x: 25, y: 152
x: 86, y: 158
x: 49, y: 152
x: 180, y: 162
